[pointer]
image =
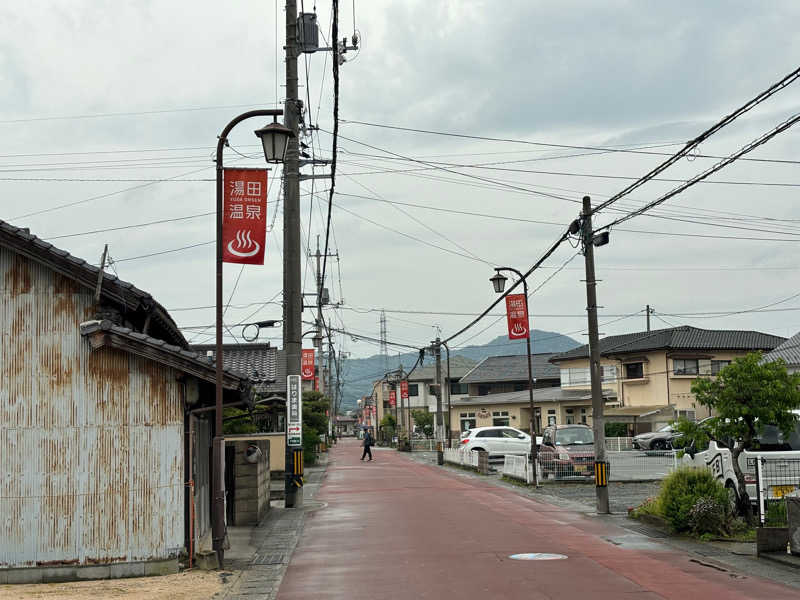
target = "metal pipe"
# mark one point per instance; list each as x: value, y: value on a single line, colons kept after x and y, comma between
x: 218, y: 532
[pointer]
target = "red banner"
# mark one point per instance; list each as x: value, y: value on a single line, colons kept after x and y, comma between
x: 307, y: 364
x: 316, y: 384
x: 244, y: 217
x: 404, y: 389
x: 517, y: 314
x: 392, y: 398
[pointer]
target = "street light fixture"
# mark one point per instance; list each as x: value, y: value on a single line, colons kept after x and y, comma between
x: 499, y: 284
x: 273, y: 152
x: 275, y: 139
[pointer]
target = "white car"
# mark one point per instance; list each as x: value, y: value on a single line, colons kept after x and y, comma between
x: 497, y: 441
x: 719, y: 460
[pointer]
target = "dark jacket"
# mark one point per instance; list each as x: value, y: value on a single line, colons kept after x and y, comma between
x: 368, y: 441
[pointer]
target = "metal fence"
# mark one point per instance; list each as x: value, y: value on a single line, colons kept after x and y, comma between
x: 618, y: 444
x: 776, y: 477
x: 427, y: 445
x: 518, y: 467
x: 632, y: 465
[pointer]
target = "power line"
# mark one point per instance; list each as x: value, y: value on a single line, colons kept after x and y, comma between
x: 123, y: 227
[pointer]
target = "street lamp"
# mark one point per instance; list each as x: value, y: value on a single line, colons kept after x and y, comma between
x: 499, y: 284
x: 275, y: 139
x: 274, y: 151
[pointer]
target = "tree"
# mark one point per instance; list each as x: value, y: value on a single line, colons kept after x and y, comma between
x: 424, y: 419
x: 747, y: 395
x: 388, y: 422
x: 315, y: 405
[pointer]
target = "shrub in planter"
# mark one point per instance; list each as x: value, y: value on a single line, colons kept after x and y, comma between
x: 681, y: 490
x: 708, y: 515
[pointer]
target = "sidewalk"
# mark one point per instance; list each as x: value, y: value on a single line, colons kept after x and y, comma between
x: 261, y: 554
x: 395, y: 528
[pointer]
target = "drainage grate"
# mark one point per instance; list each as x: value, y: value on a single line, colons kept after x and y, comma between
x: 275, y: 558
x: 648, y: 531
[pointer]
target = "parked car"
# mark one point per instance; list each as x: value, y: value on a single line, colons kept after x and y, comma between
x: 497, y: 441
x: 770, y: 444
x: 660, y: 439
x: 567, y: 451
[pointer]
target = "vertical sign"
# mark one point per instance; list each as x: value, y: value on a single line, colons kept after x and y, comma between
x: 392, y: 398
x: 244, y: 217
x: 517, y: 315
x: 404, y: 389
x: 294, y: 411
x: 307, y: 364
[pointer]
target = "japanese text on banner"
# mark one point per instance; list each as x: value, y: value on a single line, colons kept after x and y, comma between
x: 244, y: 218
x: 517, y: 314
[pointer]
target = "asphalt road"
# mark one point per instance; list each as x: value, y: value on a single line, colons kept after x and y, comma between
x: 399, y: 528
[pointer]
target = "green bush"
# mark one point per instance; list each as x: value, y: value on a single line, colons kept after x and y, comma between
x: 310, y: 441
x: 680, y: 492
x: 776, y: 514
x: 616, y: 430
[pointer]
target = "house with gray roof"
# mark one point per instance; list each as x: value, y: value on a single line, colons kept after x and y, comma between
x: 789, y: 352
x: 651, y: 372
x: 501, y: 374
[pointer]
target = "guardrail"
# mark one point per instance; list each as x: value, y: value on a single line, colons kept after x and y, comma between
x: 457, y: 456
x: 518, y: 467
x: 428, y: 445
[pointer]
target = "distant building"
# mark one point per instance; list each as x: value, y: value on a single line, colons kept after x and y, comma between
x: 789, y: 352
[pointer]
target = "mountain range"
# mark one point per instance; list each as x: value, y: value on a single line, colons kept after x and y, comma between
x: 359, y: 373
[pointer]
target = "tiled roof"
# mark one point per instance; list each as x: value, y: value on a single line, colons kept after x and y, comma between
x: 200, y: 361
x: 512, y: 368
x: 459, y: 366
x: 262, y: 363
x: 20, y: 240
x: 678, y: 338
x: 789, y: 351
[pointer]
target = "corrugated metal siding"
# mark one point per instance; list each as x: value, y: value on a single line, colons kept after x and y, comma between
x: 202, y: 482
x: 91, y: 443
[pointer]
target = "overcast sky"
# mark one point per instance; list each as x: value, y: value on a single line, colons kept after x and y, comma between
x: 612, y: 74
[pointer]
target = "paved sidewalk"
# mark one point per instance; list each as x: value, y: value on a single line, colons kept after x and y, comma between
x: 395, y: 528
x: 263, y: 553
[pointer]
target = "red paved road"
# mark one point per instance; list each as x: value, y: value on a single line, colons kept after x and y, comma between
x: 394, y: 528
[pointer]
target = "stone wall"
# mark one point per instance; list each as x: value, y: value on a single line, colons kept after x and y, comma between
x: 251, y: 491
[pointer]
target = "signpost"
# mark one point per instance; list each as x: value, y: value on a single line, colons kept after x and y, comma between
x: 294, y: 412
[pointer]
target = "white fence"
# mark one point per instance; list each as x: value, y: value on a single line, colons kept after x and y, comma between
x: 459, y: 457
x: 635, y: 465
x: 618, y: 444
x: 428, y: 445
x: 518, y: 467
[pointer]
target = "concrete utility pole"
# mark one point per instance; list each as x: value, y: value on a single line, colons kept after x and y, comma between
x: 292, y: 279
x: 598, y: 422
x: 649, y: 311
x: 437, y: 353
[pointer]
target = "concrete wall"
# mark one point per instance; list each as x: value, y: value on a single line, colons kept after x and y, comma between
x: 251, y: 488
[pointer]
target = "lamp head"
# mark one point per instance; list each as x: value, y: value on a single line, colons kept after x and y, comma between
x: 499, y: 282
x: 275, y: 139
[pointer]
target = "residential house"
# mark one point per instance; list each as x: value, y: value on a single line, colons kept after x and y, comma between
x: 789, y: 352
x: 651, y: 372
x: 105, y: 417
x: 501, y: 374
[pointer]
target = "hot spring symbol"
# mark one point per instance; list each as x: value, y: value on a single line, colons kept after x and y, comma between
x: 245, y: 246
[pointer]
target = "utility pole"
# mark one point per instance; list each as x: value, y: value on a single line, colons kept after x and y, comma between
x: 437, y: 353
x: 649, y: 312
x: 292, y: 278
x: 598, y: 422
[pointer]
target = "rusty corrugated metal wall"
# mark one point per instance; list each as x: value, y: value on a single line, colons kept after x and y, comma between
x: 91, y: 444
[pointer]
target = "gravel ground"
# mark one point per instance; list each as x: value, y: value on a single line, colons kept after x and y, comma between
x: 621, y: 495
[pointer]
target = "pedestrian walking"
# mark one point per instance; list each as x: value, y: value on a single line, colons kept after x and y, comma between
x: 368, y: 441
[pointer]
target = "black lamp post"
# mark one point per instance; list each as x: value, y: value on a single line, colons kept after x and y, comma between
x: 499, y: 284
x: 275, y: 138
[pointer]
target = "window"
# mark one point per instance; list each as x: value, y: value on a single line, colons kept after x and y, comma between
x: 489, y: 433
x: 551, y: 416
x: 609, y: 373
x: 518, y: 387
x: 483, y: 390
x: 570, y: 416
x: 685, y: 366
x: 718, y: 365
x: 500, y: 418
x: 467, y: 420
x: 583, y: 416
x: 458, y: 388
x: 634, y: 370
x: 511, y: 433
x: 413, y: 389
x: 575, y: 376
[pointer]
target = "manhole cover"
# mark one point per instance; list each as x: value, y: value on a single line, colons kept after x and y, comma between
x: 537, y: 556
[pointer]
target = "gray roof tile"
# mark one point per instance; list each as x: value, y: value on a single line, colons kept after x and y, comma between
x: 789, y: 351
x: 678, y: 338
x: 512, y: 368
